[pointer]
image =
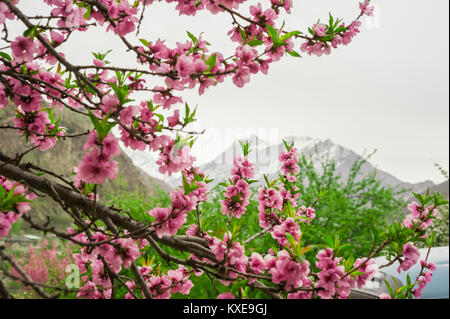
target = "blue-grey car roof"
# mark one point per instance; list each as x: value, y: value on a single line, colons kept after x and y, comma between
x: 439, y: 286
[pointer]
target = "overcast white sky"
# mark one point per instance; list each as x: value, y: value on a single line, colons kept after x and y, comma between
x: 387, y: 90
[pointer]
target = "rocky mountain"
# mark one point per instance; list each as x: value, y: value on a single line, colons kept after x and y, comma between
x: 265, y: 158
x: 65, y: 156
x: 442, y: 188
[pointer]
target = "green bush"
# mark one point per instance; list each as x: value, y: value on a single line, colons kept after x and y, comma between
x: 347, y: 211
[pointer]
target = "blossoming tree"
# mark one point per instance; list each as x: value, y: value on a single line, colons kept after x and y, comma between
x: 37, y: 78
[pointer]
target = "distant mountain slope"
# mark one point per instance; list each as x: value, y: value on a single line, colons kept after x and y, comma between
x: 66, y: 155
x: 266, y: 161
x: 442, y: 188
x: 265, y: 158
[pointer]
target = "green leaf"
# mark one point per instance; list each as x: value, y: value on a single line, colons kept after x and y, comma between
x: 267, y: 180
x: 388, y: 286
x: 290, y: 209
x: 121, y: 92
x: 245, y: 146
x: 31, y: 32
x: 88, y: 12
x: 160, y: 116
x: 291, y: 239
x: 51, y: 116
x: 328, y: 240
x: 95, y: 122
x: 211, y: 62
x: 244, y: 36
x: 144, y: 42
x: 289, y: 35
x: 272, y: 33
x: 340, y: 29
x: 193, y: 38
x: 331, y: 21
x: 254, y: 43
x: 5, y: 56
x: 288, y: 146
x: 2, y: 192
x: 293, y: 53
x: 358, y: 273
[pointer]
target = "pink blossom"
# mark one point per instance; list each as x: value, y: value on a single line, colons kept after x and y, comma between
x: 109, y: 103
x: 292, y: 274
x: 94, y: 169
x: 365, y: 8
x: 243, y: 168
x: 23, y: 49
x: 411, y: 252
x: 319, y: 29
x: 226, y: 295
x: 185, y: 66
x: 5, y: 13
x: 161, y: 215
x: 257, y: 263
x: 174, y: 119
x: 241, y: 77
x: 369, y: 269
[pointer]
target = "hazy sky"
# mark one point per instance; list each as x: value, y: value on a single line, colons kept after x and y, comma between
x: 387, y: 90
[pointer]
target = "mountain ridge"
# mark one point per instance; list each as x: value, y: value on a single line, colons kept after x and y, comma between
x: 265, y: 158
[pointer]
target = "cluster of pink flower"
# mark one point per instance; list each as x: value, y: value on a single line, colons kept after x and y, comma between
x: 424, y: 279
x: 306, y: 214
x: 146, y: 125
x: 420, y: 218
x: 320, y: 47
x: 7, y: 218
x: 173, y: 158
x: 43, y: 265
x: 162, y: 287
x: 237, y: 195
x: 269, y: 202
x: 214, y: 6
x: 5, y: 13
x: 411, y: 256
x: 274, y: 205
x: 190, y: 62
x: 288, y: 226
x: 285, y: 271
x: 170, y: 219
x: 367, y: 267
x: 226, y: 295
x: 289, y: 165
x: 38, y: 126
x: 27, y: 99
x: 201, y: 193
x: 116, y: 253
x: 332, y: 277
x: 123, y: 14
x: 230, y: 253
x: 97, y: 165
